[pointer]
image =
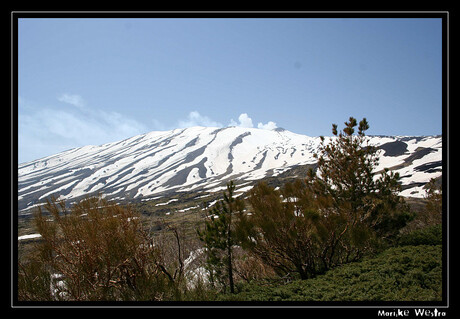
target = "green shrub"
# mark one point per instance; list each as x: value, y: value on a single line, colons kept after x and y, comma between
x: 409, y: 273
x: 431, y: 235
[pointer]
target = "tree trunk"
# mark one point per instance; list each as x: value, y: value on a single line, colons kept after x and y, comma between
x: 230, y: 268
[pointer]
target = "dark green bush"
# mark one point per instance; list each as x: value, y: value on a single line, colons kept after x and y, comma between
x: 431, y: 235
x: 409, y: 273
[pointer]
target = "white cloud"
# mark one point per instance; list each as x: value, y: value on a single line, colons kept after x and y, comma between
x: 44, y: 131
x: 72, y: 99
x: 196, y: 119
x: 245, y: 121
x: 269, y: 126
x: 232, y: 123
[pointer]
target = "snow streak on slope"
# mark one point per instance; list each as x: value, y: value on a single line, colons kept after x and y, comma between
x: 200, y: 158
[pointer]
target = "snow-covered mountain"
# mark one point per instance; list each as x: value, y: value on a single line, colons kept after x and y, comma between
x: 203, y: 158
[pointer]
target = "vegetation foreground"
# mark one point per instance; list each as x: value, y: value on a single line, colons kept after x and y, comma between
x: 409, y: 273
x: 340, y: 234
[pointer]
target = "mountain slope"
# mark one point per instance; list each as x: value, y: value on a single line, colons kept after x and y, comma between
x: 203, y: 158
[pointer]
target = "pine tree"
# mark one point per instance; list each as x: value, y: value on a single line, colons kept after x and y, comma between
x: 334, y: 216
x: 433, y: 208
x: 219, y: 238
x: 346, y: 176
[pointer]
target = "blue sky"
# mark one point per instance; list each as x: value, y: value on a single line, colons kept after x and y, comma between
x: 93, y: 81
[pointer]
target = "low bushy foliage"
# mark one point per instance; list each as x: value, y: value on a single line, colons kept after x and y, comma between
x: 431, y: 235
x: 409, y: 273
